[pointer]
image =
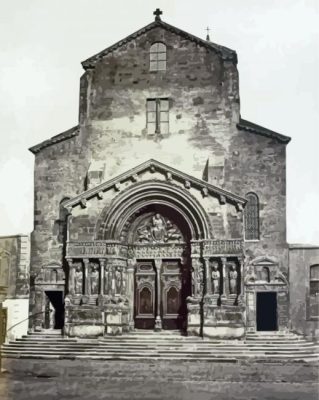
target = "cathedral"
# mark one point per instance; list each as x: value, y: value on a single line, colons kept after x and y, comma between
x: 163, y: 209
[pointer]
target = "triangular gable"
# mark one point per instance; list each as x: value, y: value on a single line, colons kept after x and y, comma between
x: 225, y: 52
x: 172, y: 173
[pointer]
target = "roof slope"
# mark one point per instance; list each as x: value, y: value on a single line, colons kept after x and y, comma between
x: 56, y: 139
x: 225, y: 52
x: 260, y: 130
x: 161, y: 167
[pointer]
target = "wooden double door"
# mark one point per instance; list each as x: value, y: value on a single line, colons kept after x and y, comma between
x: 161, y: 289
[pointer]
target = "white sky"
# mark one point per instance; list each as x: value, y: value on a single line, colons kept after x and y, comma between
x: 42, y: 43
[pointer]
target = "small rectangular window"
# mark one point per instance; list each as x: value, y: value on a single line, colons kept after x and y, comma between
x: 157, y: 116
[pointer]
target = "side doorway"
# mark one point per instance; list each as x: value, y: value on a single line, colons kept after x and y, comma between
x: 266, y: 313
x: 54, y: 309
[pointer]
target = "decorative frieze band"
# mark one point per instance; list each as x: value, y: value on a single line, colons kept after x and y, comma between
x: 199, y: 248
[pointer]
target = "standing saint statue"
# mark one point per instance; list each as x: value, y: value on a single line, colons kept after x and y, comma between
x: 94, y: 280
x: 78, y: 280
x: 200, y: 281
x: 233, y: 280
x: 215, y: 278
x: 107, y: 280
x: 118, y: 280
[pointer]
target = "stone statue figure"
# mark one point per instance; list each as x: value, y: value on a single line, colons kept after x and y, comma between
x: 94, y: 280
x: 118, y: 280
x: 144, y: 234
x: 78, y: 280
x: 233, y: 280
x: 172, y: 232
x: 200, y: 281
x: 215, y: 279
x: 158, y: 228
x: 107, y: 280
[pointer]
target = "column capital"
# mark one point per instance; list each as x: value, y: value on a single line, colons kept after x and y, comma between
x: 103, y: 262
x: 131, y: 264
x: 158, y: 263
x: 86, y: 261
x: 70, y: 262
x: 224, y: 260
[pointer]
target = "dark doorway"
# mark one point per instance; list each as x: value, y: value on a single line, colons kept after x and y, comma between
x: 267, y: 311
x: 54, y: 309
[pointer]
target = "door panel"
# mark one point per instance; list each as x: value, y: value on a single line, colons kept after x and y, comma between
x: 171, y: 291
x: 171, y: 295
x: 145, y: 295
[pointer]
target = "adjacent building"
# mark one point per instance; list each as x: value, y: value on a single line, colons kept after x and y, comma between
x: 14, y: 286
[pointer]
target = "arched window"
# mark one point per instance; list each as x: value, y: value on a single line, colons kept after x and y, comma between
x: 252, y: 217
x: 158, y: 57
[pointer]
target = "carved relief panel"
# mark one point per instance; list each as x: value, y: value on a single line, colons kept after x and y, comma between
x: 155, y: 228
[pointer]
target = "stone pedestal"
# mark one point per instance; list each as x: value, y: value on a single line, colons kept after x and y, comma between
x: 116, y: 321
x: 223, y: 322
x: 193, y: 317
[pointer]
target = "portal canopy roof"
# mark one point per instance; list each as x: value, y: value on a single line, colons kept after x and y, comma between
x: 170, y: 173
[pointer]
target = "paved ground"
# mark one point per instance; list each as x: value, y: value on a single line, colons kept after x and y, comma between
x: 64, y: 380
x: 24, y: 388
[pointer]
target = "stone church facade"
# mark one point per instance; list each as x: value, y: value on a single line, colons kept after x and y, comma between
x: 163, y: 208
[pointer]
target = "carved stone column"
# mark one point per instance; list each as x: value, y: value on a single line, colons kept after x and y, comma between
x: 130, y: 290
x: 241, y: 268
x: 107, y: 277
x: 158, y: 320
x: 112, y: 278
x: 102, y: 267
x: 71, y: 276
x: 208, y: 276
x: 224, y: 262
x: 86, y: 277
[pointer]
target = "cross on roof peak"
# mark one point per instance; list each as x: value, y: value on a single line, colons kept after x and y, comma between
x: 158, y: 14
x: 207, y: 36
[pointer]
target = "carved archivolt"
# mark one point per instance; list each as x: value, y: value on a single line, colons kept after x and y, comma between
x: 114, y: 218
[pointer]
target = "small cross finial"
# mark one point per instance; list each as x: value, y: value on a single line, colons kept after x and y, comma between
x: 157, y: 14
x: 207, y: 36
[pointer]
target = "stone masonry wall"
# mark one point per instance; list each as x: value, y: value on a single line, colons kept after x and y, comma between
x: 203, y: 93
x: 300, y: 260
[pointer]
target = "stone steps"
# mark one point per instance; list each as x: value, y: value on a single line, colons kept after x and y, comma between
x: 169, y: 346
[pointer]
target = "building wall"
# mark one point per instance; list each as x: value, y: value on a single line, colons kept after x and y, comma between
x: 14, y: 282
x: 203, y: 92
x: 300, y: 260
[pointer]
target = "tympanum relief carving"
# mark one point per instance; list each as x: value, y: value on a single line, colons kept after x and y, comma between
x: 157, y: 229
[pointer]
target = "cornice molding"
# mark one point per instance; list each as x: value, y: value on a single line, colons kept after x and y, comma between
x: 206, y: 188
